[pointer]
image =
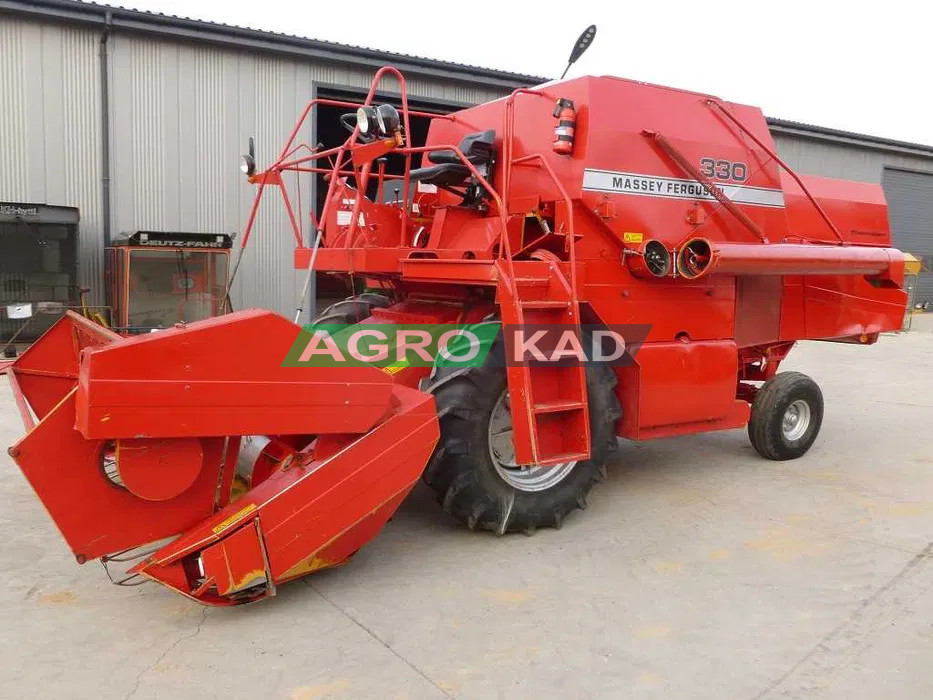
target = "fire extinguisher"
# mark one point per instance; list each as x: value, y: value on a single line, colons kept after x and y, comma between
x: 566, y: 117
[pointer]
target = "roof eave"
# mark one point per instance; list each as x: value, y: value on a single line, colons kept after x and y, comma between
x: 181, y: 28
x: 848, y: 138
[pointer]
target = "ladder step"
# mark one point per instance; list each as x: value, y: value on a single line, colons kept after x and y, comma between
x: 559, y: 406
x: 544, y: 304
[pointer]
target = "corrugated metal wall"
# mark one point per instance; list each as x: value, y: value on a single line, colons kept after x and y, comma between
x: 180, y: 116
x: 848, y: 161
x: 50, y: 126
x: 910, y: 205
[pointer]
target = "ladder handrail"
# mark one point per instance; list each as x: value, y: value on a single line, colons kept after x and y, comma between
x: 568, y: 202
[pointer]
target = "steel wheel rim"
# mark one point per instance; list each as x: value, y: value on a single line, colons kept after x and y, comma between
x: 502, y: 452
x: 796, y: 420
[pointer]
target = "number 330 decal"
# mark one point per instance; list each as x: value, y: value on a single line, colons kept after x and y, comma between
x: 724, y: 169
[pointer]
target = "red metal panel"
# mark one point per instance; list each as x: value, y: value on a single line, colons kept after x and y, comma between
x: 22, y: 406
x: 237, y: 561
x: 834, y: 308
x: 48, y: 370
x: 685, y: 382
x: 158, y: 469
x: 95, y: 515
x: 757, y: 309
x: 857, y: 208
x: 219, y: 377
x: 319, y: 511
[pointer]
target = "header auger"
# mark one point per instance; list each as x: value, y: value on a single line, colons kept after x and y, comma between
x: 663, y: 215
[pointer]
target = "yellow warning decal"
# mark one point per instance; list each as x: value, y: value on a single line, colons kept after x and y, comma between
x: 392, y: 369
x: 632, y: 237
x: 224, y: 524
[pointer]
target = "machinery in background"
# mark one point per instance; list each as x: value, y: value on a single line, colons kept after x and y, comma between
x: 156, y: 279
x: 153, y: 279
x: 38, y: 269
x: 913, y: 266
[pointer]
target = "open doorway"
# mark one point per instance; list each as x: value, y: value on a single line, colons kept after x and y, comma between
x: 328, y: 131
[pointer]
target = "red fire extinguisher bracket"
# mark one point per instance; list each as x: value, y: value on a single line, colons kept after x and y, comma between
x: 566, y: 117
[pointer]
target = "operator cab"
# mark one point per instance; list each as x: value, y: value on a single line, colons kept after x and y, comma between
x: 452, y: 175
x: 159, y: 278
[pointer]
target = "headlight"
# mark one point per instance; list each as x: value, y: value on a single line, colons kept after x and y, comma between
x: 387, y: 119
x: 247, y: 165
x: 366, y: 120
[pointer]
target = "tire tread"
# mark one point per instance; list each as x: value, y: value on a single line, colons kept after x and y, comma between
x: 764, y: 425
x: 464, y: 396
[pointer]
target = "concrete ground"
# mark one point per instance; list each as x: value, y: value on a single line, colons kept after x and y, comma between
x: 698, y: 570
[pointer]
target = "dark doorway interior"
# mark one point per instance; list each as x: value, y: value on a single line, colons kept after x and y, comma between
x: 330, y: 133
x: 38, y: 268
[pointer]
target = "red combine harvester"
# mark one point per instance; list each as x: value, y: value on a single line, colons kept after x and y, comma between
x: 582, y: 203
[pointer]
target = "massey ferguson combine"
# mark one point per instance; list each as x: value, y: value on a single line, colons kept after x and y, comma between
x: 594, y: 204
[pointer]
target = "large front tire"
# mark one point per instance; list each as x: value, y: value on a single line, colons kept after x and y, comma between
x: 470, y: 481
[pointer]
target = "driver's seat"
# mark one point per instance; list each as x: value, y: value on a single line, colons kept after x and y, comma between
x: 479, y: 148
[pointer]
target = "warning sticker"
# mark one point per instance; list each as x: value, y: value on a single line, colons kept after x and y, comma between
x: 632, y: 237
x: 344, y: 218
x: 224, y: 524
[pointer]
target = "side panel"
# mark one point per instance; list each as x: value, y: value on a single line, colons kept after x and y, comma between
x: 703, y: 309
x: 757, y: 309
x: 837, y: 307
x: 680, y: 387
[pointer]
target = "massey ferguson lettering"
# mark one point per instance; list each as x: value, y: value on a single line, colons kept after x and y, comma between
x: 670, y: 187
x: 610, y: 182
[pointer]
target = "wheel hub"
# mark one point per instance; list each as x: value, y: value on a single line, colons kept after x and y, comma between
x: 796, y: 420
x: 502, y: 450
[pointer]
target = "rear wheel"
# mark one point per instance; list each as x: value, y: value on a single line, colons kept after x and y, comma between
x: 786, y: 416
x: 353, y: 309
x: 473, y: 471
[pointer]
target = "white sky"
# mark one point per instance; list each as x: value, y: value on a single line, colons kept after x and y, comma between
x: 859, y: 66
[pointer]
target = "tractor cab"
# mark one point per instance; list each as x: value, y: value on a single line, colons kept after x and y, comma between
x: 156, y: 279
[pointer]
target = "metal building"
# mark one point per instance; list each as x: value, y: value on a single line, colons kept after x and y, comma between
x: 905, y: 170
x: 138, y: 120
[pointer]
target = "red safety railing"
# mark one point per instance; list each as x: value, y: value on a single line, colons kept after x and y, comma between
x: 301, y: 158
